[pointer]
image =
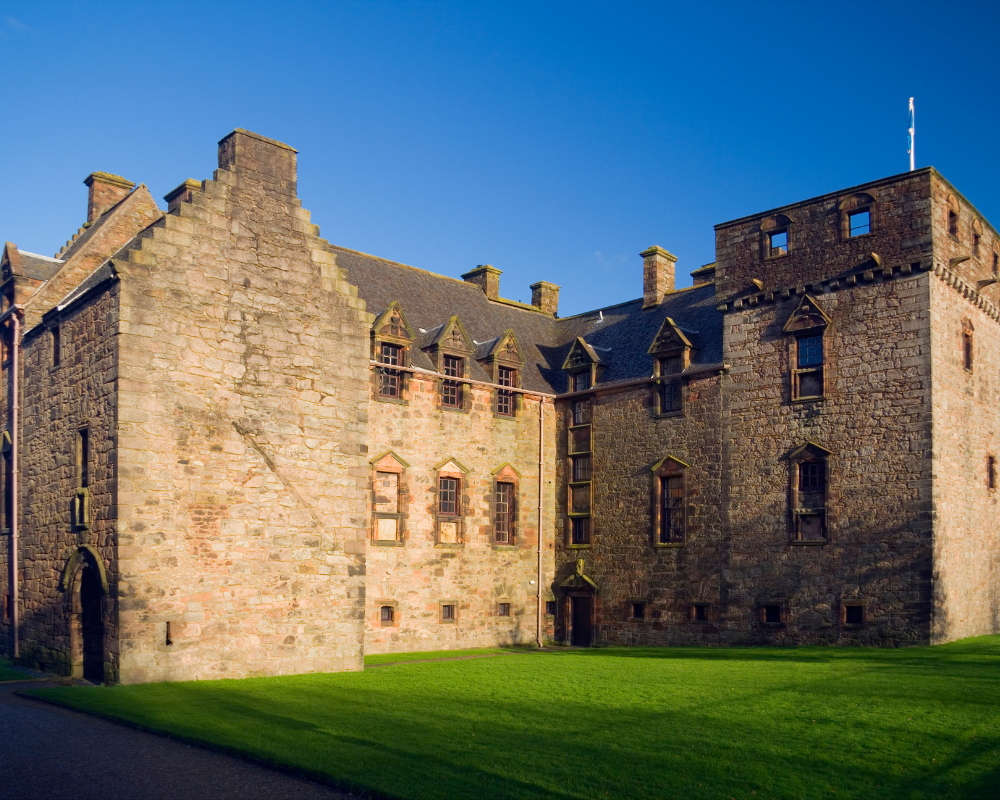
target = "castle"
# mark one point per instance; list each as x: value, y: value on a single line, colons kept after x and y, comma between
x: 232, y: 448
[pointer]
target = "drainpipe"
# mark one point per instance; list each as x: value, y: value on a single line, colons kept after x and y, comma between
x: 541, y: 486
x: 13, y: 314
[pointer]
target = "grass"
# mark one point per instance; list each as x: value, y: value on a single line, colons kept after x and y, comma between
x: 8, y: 674
x: 638, y: 723
x: 402, y: 658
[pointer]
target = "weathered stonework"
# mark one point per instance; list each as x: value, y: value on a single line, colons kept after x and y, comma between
x: 246, y: 451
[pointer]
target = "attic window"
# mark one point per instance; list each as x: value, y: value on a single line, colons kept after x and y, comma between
x: 581, y: 381
x: 506, y: 405
x: 451, y: 390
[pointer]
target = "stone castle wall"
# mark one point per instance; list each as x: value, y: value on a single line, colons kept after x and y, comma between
x: 966, y: 423
x: 419, y: 573
x: 243, y: 417
x: 57, y: 403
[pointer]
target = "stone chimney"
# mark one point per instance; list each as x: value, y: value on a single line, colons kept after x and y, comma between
x: 268, y: 163
x: 106, y: 190
x: 181, y: 194
x: 545, y: 296
x: 487, y: 278
x: 657, y: 275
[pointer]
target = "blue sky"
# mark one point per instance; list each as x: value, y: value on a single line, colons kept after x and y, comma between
x: 552, y: 140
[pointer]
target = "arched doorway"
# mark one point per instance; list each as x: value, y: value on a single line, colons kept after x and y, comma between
x: 92, y: 623
x: 579, y: 609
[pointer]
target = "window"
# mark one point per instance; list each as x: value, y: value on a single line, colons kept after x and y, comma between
x: 581, y: 468
x: 581, y: 412
x: 506, y: 376
x: 953, y: 223
x: 387, y: 615
x: 860, y: 222
x: 808, y: 494
x: 448, y: 612
x: 386, y: 507
x: 808, y: 377
x: 8, y: 491
x: 672, y: 512
x: 996, y: 265
x: 580, y: 530
x: 451, y: 390
x: 638, y: 611
x: 581, y: 381
x: 670, y: 397
x: 390, y: 380
x: 448, y: 496
x: 967, y: 349
x: 976, y: 238
x: 854, y: 614
x: 83, y: 457
x: 699, y: 612
x: 770, y: 614
x: 550, y: 608
x: 671, y: 365
x: 56, y: 346
x: 777, y: 243
x: 503, y: 609
x: 991, y: 472
x: 505, y: 513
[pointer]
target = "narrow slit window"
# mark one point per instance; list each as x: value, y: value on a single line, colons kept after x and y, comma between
x: 56, y: 346
x: 860, y: 222
x: 991, y: 472
x: 550, y: 608
x: 83, y: 456
x: 953, y: 223
x: 967, y: 350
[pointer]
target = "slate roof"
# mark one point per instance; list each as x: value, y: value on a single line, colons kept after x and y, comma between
x: 428, y: 301
x: 40, y: 268
x: 620, y: 334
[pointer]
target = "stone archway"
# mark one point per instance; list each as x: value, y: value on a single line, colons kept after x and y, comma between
x: 86, y: 583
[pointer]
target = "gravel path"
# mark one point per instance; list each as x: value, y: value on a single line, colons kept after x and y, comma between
x: 51, y: 753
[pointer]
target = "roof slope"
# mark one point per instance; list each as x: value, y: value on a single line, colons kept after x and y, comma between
x: 429, y: 301
x: 620, y: 334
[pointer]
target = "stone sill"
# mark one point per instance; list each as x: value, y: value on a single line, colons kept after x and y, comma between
x: 399, y: 401
x: 668, y: 545
x: 454, y: 409
x: 809, y: 542
x: 811, y: 399
x: 505, y: 547
x: 387, y: 543
x: 450, y: 545
x: 578, y: 546
x: 860, y: 236
x: 669, y: 414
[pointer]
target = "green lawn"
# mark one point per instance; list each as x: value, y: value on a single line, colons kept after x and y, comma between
x: 8, y: 674
x: 397, y: 658
x: 633, y: 723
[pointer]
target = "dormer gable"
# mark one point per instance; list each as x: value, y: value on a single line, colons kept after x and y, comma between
x: 388, y: 462
x: 668, y: 465
x: 506, y: 351
x: 809, y: 451
x: 808, y: 315
x: 451, y: 466
x: 581, y: 355
x: 391, y: 325
x: 669, y: 339
x: 453, y: 337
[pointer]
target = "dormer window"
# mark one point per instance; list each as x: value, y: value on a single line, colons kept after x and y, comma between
x: 506, y: 377
x: 451, y: 390
x: 581, y: 381
x: 390, y: 382
x: 671, y: 350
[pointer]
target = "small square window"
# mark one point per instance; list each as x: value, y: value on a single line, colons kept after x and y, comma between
x: 854, y: 614
x: 503, y: 609
x: 448, y: 613
x: 387, y: 615
x: 580, y: 530
x: 699, y: 612
x: 770, y: 614
x: 638, y: 611
x: 550, y: 608
x: 778, y: 243
x: 860, y: 222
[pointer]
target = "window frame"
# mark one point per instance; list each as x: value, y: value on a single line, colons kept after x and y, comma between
x: 505, y: 608
x: 505, y: 396
x: 389, y: 464
x: 802, y: 372
x: 777, y: 251
x: 857, y: 212
x: 380, y: 605
x: 392, y: 371
x: 451, y: 469
x: 666, y: 470
x: 453, y: 382
x: 809, y: 504
x: 445, y: 604
x: 511, y: 515
x: 859, y: 604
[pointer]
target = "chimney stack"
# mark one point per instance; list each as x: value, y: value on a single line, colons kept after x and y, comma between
x: 181, y: 194
x: 487, y: 278
x: 106, y: 190
x: 657, y: 275
x: 545, y: 296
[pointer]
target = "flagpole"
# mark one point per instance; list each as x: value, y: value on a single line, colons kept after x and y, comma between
x: 912, y: 133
